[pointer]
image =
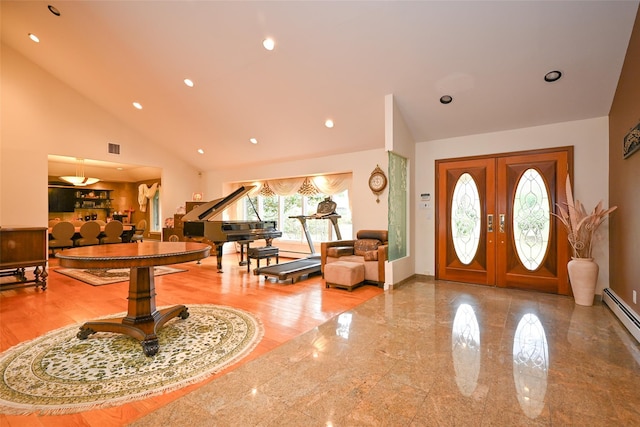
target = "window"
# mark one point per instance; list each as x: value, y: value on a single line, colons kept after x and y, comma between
x: 154, y: 212
x: 285, y: 199
x: 285, y: 209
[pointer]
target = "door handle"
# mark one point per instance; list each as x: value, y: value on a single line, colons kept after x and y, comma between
x: 502, y: 223
x: 490, y: 223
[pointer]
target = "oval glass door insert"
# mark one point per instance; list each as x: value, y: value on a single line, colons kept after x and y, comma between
x: 465, y: 218
x: 531, y: 219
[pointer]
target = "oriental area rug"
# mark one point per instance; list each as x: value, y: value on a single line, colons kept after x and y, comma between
x: 58, y: 373
x: 103, y: 276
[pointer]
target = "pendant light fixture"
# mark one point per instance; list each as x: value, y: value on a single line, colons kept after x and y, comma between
x: 79, y: 180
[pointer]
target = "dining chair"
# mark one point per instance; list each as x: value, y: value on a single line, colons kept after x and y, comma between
x: 138, y: 234
x: 88, y: 234
x: 112, y: 232
x: 61, y: 233
x: 174, y: 238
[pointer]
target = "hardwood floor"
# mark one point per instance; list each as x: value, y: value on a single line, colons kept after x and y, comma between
x: 286, y: 311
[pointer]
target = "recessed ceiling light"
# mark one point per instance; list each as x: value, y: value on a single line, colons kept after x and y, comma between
x: 446, y: 99
x: 200, y: 150
x: 137, y: 105
x: 34, y: 37
x: 552, y: 76
x: 328, y: 123
x: 188, y: 82
x: 269, y: 43
x: 120, y: 168
x: 53, y: 10
x: 253, y: 140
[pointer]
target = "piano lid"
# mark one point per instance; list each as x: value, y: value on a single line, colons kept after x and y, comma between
x: 210, y: 210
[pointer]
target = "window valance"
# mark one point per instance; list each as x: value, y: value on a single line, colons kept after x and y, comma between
x: 324, y: 184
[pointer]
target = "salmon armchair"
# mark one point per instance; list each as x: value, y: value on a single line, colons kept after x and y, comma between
x: 369, y: 248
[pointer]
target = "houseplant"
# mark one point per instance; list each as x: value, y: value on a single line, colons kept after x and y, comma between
x: 581, y: 229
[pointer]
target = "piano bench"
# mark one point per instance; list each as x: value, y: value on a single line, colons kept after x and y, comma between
x: 262, y: 252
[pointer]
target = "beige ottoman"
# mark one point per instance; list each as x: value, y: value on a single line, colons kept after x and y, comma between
x: 344, y: 274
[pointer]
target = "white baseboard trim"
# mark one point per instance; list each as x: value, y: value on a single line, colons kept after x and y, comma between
x: 627, y: 316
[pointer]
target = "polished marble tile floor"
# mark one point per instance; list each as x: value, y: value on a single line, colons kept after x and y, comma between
x: 426, y: 353
x: 434, y: 354
x: 285, y: 310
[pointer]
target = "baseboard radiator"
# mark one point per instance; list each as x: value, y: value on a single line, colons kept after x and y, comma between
x: 627, y: 316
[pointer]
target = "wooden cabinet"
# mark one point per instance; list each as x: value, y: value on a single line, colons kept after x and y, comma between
x: 178, y: 227
x: 61, y: 199
x: 167, y: 232
x: 22, y: 247
x: 175, y: 230
x: 74, y: 199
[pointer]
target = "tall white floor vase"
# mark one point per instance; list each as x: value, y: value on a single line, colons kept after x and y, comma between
x: 583, y: 274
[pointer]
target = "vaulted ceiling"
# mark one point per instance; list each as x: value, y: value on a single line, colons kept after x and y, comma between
x: 332, y: 60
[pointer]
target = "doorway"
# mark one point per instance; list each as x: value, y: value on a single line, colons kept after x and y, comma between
x: 494, y: 220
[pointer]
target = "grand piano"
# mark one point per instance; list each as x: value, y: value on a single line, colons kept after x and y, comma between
x: 203, y: 223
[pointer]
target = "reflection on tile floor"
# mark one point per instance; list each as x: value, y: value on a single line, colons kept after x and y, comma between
x: 435, y: 353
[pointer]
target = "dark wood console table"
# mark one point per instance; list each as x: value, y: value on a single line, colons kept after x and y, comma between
x: 143, y: 319
x: 22, y: 247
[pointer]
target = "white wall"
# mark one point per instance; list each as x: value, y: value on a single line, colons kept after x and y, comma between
x: 590, y: 140
x: 40, y: 115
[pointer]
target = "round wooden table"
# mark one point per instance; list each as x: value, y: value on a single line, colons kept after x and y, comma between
x: 142, y: 319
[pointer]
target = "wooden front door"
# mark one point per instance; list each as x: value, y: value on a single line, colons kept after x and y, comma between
x: 494, y: 224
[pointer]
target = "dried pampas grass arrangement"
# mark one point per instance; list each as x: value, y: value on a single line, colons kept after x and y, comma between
x: 581, y: 226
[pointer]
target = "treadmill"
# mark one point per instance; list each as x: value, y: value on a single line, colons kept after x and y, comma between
x: 310, y: 265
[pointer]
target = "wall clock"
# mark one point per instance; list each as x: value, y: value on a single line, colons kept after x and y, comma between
x: 377, y: 182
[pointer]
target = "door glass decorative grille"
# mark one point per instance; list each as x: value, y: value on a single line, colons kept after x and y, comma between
x: 531, y: 219
x: 465, y: 218
x: 397, y: 206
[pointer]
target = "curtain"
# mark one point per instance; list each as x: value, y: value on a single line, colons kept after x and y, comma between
x: 286, y: 187
x: 332, y: 184
x: 145, y: 193
x: 265, y: 190
x: 325, y: 184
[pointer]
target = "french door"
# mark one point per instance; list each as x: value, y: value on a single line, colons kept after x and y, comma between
x: 494, y: 220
